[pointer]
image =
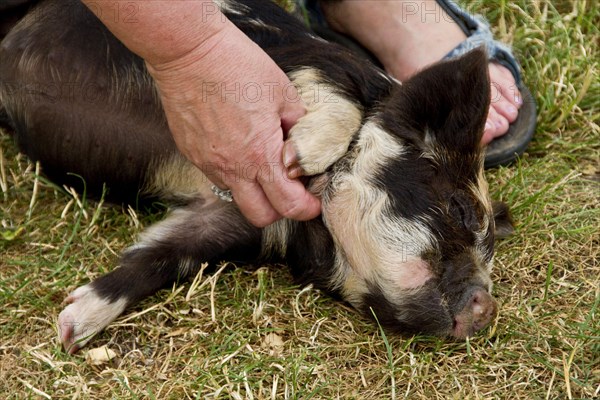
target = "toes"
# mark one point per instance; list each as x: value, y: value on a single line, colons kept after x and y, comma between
x: 505, y: 102
x: 504, y: 85
x: 87, y: 314
x: 505, y: 109
x: 488, y: 132
x: 499, y: 126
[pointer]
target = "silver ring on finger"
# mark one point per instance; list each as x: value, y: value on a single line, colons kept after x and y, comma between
x: 222, y: 194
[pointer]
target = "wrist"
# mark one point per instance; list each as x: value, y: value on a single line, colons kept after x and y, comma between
x: 160, y: 31
x: 193, y: 34
x: 206, y: 50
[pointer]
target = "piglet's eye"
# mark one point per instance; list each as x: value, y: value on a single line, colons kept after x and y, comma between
x: 463, y: 209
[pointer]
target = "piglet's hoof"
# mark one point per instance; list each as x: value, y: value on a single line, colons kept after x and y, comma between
x: 86, y: 315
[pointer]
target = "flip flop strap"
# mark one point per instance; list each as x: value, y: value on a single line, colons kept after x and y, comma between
x: 479, y: 34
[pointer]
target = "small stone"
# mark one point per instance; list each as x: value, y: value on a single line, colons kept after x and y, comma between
x: 273, y: 343
x: 99, y: 355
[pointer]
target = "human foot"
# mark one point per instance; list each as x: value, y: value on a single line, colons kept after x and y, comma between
x: 427, y: 33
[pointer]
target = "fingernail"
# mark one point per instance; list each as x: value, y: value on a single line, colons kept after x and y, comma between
x: 488, y: 126
x: 289, y: 154
x: 294, y: 172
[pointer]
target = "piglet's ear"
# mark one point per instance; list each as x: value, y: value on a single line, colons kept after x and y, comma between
x: 503, y: 220
x: 447, y: 102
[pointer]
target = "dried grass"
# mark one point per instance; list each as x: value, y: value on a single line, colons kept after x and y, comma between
x: 250, y: 334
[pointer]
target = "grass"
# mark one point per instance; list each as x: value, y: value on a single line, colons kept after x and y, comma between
x: 250, y: 333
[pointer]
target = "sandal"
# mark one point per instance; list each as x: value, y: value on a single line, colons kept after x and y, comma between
x: 502, y: 150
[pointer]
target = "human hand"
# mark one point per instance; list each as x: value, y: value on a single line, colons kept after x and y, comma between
x: 228, y: 106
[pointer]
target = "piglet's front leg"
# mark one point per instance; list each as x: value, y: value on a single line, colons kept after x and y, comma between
x: 169, y: 251
x: 322, y: 136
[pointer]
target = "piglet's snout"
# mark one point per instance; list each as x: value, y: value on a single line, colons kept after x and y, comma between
x: 477, y: 313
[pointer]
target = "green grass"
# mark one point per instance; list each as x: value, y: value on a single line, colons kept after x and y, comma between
x: 209, y: 340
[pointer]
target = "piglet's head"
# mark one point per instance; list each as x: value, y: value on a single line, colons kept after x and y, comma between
x: 409, y: 210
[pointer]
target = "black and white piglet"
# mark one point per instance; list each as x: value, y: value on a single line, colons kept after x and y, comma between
x: 407, y: 225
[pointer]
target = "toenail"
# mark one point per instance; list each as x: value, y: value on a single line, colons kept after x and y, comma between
x: 519, y: 100
x: 512, y: 111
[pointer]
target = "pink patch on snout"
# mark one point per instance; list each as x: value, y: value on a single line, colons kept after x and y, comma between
x: 414, y: 273
x: 477, y: 313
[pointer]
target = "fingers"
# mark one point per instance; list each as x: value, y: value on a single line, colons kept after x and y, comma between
x: 254, y: 204
x: 270, y: 199
x: 286, y: 194
x: 268, y: 193
x: 289, y: 196
x: 264, y: 204
x: 248, y: 196
x: 293, y: 109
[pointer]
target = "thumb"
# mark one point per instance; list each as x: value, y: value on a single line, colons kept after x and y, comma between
x: 293, y: 109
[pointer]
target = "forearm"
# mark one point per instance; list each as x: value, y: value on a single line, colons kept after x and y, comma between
x: 160, y: 31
